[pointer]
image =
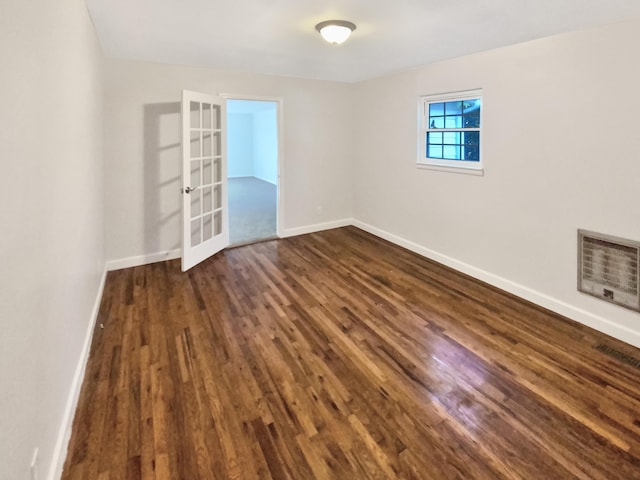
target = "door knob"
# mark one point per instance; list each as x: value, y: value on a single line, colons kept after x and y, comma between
x: 189, y: 189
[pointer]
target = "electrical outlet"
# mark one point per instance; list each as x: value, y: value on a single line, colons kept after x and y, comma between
x: 35, y: 466
x: 319, y: 210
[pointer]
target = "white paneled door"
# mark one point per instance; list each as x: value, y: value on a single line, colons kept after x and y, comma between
x: 204, y: 178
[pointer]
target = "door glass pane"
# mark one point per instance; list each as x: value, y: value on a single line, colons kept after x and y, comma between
x: 216, y: 117
x: 217, y: 197
x: 207, y: 171
x: 196, y: 232
x: 195, y: 144
x: 206, y: 115
x: 196, y: 203
x: 217, y: 170
x: 206, y: 144
x: 207, y: 227
x: 217, y: 144
x: 207, y: 204
x: 217, y: 223
x: 195, y: 114
x: 195, y: 173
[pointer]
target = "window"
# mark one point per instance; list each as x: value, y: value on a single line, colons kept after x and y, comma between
x: 450, y: 130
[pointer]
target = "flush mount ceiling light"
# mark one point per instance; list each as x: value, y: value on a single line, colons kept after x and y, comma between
x: 335, y: 31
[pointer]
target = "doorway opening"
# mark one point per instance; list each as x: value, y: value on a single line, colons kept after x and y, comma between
x: 252, y: 170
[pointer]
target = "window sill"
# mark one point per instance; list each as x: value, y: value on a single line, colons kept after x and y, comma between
x: 440, y: 168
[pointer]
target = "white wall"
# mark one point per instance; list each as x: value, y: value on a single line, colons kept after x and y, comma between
x: 240, y: 145
x: 265, y: 144
x: 51, y: 215
x: 561, y: 147
x: 142, y: 156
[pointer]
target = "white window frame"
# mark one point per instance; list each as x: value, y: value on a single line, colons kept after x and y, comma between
x: 460, y: 166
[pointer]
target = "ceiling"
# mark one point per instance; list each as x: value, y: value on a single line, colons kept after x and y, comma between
x: 278, y: 36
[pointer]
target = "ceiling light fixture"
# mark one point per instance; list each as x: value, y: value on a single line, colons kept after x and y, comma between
x: 335, y: 31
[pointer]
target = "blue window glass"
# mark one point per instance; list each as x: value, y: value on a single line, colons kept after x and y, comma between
x: 454, y: 142
x: 471, y: 113
x: 434, y: 151
x: 472, y: 153
x: 436, y: 122
x: 451, y: 152
x: 453, y: 121
x: 451, y: 138
x: 453, y: 108
x: 436, y: 109
x: 471, y: 138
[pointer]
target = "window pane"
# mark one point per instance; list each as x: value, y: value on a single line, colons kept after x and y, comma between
x: 436, y: 109
x: 472, y: 113
x: 454, y: 121
x: 434, y: 151
x: 471, y: 138
x: 472, y: 153
x: 195, y: 143
x: 472, y: 119
x: 451, y: 138
x: 453, y: 108
x: 434, y: 137
x: 436, y: 122
x: 451, y: 152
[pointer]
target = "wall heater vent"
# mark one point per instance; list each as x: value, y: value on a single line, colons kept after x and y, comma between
x: 609, y: 268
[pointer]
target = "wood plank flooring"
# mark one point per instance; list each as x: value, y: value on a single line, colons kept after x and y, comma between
x: 337, y: 355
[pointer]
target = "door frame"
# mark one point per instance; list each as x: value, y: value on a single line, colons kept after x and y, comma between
x: 280, y: 123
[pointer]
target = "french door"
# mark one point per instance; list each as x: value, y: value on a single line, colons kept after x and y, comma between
x: 204, y: 178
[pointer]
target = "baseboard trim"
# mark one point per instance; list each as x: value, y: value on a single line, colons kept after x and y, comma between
x: 64, y: 434
x: 318, y: 227
x: 596, y: 322
x: 143, y: 259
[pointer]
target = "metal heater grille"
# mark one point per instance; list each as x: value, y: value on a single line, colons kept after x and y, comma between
x: 608, y: 268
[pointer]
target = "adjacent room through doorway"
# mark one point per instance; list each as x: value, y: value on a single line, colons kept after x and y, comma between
x: 252, y: 153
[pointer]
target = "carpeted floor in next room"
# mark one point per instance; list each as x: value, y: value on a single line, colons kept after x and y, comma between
x: 252, y: 210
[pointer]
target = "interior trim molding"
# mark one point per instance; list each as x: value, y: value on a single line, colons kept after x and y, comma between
x: 64, y: 433
x: 318, y: 227
x: 138, y: 260
x: 596, y: 322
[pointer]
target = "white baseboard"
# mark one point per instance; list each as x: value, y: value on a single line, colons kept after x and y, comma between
x: 143, y: 259
x: 64, y: 434
x: 579, y: 315
x: 318, y: 227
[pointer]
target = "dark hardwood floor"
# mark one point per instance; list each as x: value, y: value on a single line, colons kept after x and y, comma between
x: 337, y: 355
